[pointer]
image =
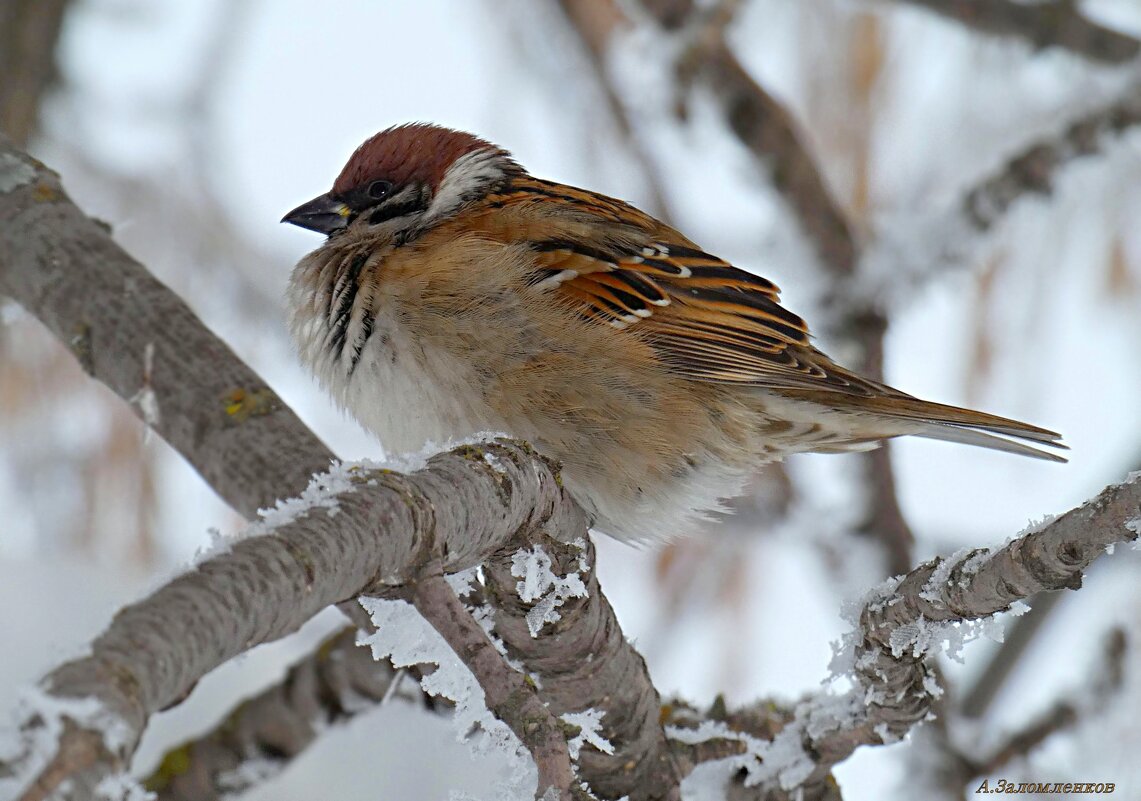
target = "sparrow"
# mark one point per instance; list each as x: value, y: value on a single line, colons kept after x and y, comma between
x: 456, y: 293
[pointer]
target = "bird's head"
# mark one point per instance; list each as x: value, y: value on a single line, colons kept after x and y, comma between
x: 405, y: 179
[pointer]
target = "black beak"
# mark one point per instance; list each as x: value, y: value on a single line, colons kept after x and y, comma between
x: 325, y: 215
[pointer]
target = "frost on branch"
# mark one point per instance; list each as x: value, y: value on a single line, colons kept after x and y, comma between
x: 589, y: 724
x: 540, y: 586
x: 406, y: 638
x: 48, y: 716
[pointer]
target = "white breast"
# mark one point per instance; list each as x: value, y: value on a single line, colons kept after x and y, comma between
x: 401, y: 390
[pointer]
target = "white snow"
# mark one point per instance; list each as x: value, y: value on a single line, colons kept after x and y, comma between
x: 30, y: 749
x: 589, y: 722
x: 843, y: 661
x: 484, y: 614
x: 249, y: 774
x: 782, y: 761
x: 540, y: 586
x: 932, y: 590
x: 407, y: 639
x: 325, y: 488
x: 121, y: 787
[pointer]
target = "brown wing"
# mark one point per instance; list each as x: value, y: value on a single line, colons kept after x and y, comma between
x: 707, y: 319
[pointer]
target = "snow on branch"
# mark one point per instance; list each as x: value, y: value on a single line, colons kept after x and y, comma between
x: 579, y: 662
x: 507, y: 693
x: 369, y: 529
x: 897, y: 629
x: 1053, y: 23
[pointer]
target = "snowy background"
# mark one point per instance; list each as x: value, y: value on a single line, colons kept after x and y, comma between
x: 193, y: 126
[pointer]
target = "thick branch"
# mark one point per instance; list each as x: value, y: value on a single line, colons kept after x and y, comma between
x: 1054, y: 23
x: 63, y: 267
x: 386, y: 527
x: 581, y: 661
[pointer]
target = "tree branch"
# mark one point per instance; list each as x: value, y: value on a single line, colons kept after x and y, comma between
x: 331, y: 685
x: 29, y: 32
x: 977, y: 697
x: 1033, y: 170
x: 63, y: 267
x: 581, y: 662
x: 1107, y: 679
x: 901, y: 627
x: 477, y: 503
x: 1054, y: 23
x: 361, y: 529
x: 507, y: 692
x: 897, y: 625
x: 769, y: 132
x: 595, y: 22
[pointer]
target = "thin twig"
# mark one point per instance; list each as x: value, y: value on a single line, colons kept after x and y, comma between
x: 596, y: 22
x: 897, y: 685
x: 1053, y: 23
x: 1033, y: 170
x: 507, y: 692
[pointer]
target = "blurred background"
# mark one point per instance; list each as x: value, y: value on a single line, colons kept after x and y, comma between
x: 193, y: 126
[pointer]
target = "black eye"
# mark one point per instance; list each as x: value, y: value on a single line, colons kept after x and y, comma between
x: 378, y: 189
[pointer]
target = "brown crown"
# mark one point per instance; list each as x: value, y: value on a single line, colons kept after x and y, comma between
x: 415, y: 151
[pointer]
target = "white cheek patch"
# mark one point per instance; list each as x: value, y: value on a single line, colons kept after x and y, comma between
x: 466, y: 177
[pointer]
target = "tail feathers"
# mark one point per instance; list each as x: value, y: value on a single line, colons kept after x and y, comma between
x: 953, y: 424
x: 973, y: 436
